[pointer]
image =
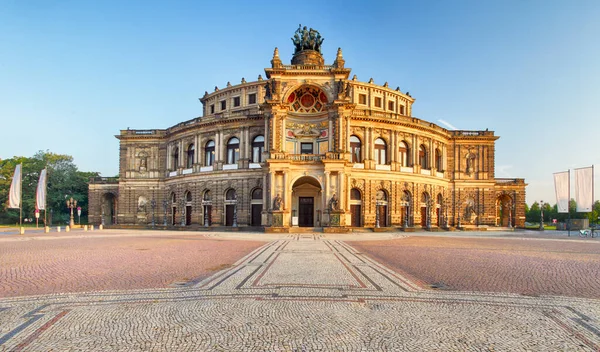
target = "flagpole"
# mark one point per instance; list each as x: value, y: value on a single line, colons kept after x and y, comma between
x: 21, y: 198
x: 569, y: 206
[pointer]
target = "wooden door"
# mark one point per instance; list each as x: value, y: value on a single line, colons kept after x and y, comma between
x: 382, y: 215
x: 188, y: 215
x: 355, y: 213
x: 256, y: 211
x: 424, y: 216
x: 229, y: 215
x: 306, y: 210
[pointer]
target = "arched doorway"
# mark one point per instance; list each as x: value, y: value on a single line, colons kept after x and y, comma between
x: 188, y: 208
x: 355, y: 207
x: 504, y: 211
x: 207, y: 209
x: 306, y: 202
x: 381, y: 209
x: 109, y: 209
x: 230, y: 208
x: 256, y: 205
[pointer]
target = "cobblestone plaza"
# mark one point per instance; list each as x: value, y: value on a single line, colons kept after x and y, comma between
x: 298, y: 292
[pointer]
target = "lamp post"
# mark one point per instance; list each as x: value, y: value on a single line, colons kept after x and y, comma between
x: 182, y: 211
x: 71, y: 204
x: 377, y: 213
x: 429, y: 204
x: 165, y: 213
x: 541, y: 215
x: 153, y: 205
x: 79, y: 215
x: 235, y: 211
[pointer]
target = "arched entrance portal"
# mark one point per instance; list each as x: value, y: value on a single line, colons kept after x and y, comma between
x: 109, y: 209
x: 504, y: 211
x: 306, y: 202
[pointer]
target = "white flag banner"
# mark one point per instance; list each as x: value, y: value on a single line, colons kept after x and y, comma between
x: 40, y: 195
x: 584, y: 185
x: 561, y: 187
x: 14, y: 195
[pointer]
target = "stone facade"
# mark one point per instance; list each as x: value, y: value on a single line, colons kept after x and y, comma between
x: 307, y: 146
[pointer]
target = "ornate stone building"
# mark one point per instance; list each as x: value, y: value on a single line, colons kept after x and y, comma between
x: 307, y: 146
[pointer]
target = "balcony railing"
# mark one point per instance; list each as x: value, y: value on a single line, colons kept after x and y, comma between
x: 307, y: 157
x: 102, y: 180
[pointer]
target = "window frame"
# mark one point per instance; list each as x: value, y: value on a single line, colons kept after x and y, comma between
x: 233, y: 150
x: 356, y: 149
x: 380, y: 151
x: 209, y: 153
x: 258, y: 148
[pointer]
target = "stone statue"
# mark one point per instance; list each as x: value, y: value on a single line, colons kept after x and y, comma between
x: 277, y: 202
x: 470, y: 215
x: 470, y: 163
x: 143, y: 162
x: 142, y: 201
x: 333, y: 202
x: 268, y: 90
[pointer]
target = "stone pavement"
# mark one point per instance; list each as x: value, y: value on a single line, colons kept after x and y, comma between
x: 303, y: 292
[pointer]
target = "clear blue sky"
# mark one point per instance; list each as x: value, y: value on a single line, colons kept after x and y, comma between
x: 73, y: 73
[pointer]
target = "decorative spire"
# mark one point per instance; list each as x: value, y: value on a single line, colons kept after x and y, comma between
x: 228, y: 84
x: 339, y: 59
x: 260, y: 77
x: 371, y: 80
x: 276, y: 62
x: 354, y: 78
x: 243, y: 80
x: 386, y: 85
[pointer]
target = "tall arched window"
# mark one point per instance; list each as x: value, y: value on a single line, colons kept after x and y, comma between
x: 404, y: 154
x: 209, y: 153
x: 258, y: 147
x: 380, y: 156
x: 190, y: 156
x: 175, y: 158
x: 230, y: 195
x: 423, y: 157
x: 233, y: 150
x: 355, y: 147
x: 438, y: 159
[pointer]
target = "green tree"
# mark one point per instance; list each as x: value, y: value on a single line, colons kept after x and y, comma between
x: 64, y: 181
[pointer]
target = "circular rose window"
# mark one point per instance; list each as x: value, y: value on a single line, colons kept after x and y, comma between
x: 308, y: 100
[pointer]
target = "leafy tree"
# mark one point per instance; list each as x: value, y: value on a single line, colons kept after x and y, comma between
x: 64, y: 181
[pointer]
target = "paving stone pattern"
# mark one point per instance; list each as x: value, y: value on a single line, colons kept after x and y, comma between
x: 334, y: 298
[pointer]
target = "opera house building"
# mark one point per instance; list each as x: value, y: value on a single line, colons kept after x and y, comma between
x: 307, y: 144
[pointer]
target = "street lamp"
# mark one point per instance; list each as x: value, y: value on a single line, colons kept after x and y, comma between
x: 541, y: 215
x: 182, y: 211
x: 71, y: 204
x: 165, y: 203
x: 377, y: 213
x: 235, y: 211
x: 153, y: 205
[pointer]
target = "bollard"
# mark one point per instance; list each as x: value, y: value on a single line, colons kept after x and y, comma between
x: 101, y: 227
x: 22, y: 230
x: 84, y: 227
x: 67, y: 229
x: 57, y: 228
x: 91, y: 227
x: 46, y: 229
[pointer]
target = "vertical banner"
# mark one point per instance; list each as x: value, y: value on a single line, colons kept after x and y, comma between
x: 14, y: 195
x: 40, y: 195
x: 561, y: 187
x: 584, y: 189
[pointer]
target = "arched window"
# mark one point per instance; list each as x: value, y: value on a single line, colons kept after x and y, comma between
x: 190, y: 156
x: 438, y: 159
x: 206, y: 197
x: 175, y: 158
x: 230, y: 195
x: 188, y: 197
x: 423, y: 157
x: 380, y: 156
x: 354, y: 194
x: 355, y: 146
x: 209, y: 153
x: 173, y: 198
x: 233, y: 150
x: 258, y: 147
x: 404, y: 154
x: 257, y: 193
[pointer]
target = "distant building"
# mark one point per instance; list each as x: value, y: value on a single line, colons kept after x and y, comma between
x: 307, y: 146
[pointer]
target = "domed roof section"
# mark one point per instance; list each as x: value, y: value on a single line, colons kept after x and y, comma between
x: 307, y: 44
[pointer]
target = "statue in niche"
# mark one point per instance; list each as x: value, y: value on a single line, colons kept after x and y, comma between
x: 277, y: 202
x: 469, y: 213
x: 143, y: 162
x: 333, y: 203
x: 142, y: 202
x: 470, y: 158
